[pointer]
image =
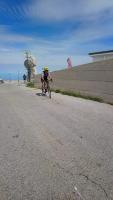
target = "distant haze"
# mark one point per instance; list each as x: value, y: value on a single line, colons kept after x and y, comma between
x: 11, y: 76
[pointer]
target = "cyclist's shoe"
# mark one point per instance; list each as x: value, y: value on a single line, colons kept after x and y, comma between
x: 42, y: 91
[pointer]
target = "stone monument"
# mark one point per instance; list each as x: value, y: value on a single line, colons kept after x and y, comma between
x: 30, y: 65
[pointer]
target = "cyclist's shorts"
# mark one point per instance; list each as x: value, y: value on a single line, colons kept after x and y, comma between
x: 45, y: 78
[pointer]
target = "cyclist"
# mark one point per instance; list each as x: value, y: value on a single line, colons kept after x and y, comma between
x: 45, y: 77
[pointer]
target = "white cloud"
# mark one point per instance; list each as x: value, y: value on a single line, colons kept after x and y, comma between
x: 54, y: 53
x: 56, y: 10
x: 10, y: 52
x: 10, y: 37
x: 4, y: 49
x: 59, y: 10
x: 49, y: 53
x: 14, y: 57
x: 76, y: 43
x: 92, y: 31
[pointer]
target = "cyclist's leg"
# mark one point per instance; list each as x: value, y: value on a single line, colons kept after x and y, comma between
x: 45, y: 86
x: 42, y: 81
x: 42, y: 86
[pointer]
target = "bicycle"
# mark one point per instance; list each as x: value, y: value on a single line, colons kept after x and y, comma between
x: 46, y: 87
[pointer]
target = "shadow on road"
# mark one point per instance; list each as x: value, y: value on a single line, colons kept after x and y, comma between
x: 40, y: 94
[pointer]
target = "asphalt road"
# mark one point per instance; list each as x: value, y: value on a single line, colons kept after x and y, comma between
x: 50, y: 147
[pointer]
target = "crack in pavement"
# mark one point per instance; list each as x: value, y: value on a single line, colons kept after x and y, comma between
x: 99, y: 185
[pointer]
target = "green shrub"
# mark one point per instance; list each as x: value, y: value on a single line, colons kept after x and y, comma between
x: 57, y: 91
x: 30, y: 84
x: 110, y: 103
x: 78, y: 94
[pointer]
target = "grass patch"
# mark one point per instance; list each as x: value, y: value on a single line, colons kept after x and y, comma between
x: 30, y: 84
x: 57, y: 91
x: 75, y: 94
x: 110, y: 103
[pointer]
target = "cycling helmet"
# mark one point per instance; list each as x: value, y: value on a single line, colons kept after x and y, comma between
x: 46, y: 69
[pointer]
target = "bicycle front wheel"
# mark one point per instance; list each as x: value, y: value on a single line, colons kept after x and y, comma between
x: 49, y: 92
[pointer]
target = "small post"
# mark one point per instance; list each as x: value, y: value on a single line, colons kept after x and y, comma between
x: 18, y: 78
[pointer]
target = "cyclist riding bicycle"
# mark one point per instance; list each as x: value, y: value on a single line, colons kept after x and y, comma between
x: 45, y: 77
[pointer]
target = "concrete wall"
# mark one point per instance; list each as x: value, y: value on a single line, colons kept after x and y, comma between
x: 94, y: 79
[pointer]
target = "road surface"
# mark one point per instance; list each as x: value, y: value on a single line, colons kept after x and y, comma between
x: 48, y: 148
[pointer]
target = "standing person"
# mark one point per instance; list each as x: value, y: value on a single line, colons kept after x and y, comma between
x: 24, y: 78
x: 45, y: 77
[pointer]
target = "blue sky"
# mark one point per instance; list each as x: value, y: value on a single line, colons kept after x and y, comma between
x: 53, y: 30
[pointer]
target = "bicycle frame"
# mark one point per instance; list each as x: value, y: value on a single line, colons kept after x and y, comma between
x: 46, y: 87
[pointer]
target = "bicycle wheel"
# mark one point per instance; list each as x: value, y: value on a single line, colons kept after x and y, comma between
x: 49, y: 91
x: 44, y: 88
